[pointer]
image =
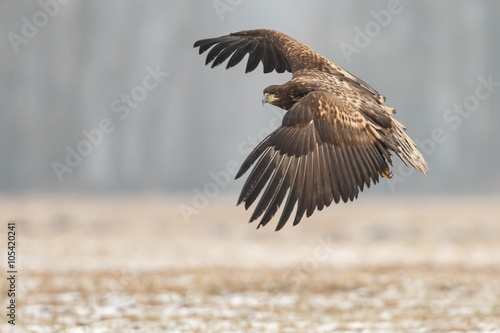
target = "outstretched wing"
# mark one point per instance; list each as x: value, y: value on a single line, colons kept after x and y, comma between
x: 264, y: 46
x: 324, y: 151
x: 276, y: 51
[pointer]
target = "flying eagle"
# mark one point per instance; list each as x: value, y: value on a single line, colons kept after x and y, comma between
x: 336, y: 135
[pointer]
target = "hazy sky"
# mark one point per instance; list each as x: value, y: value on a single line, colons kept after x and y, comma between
x: 111, y: 95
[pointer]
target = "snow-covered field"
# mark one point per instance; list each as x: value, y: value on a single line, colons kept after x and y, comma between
x: 134, y: 264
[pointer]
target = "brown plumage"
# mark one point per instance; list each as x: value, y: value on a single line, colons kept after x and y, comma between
x: 335, y: 138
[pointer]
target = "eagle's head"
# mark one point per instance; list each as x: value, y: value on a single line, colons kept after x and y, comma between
x: 276, y: 96
x: 284, y: 96
x: 271, y: 95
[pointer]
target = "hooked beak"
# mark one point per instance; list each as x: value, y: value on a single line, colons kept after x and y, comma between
x: 269, y: 98
x: 265, y: 98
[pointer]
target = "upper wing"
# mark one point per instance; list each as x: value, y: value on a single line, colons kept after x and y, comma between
x: 276, y: 51
x: 325, y: 150
x: 266, y: 46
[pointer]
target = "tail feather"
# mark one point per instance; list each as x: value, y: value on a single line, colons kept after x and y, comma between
x: 408, y: 151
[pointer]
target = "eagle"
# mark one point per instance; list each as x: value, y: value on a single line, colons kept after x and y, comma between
x: 335, y: 138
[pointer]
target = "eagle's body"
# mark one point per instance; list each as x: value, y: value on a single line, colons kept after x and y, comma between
x: 334, y: 139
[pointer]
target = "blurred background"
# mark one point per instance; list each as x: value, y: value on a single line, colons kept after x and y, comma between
x: 167, y: 122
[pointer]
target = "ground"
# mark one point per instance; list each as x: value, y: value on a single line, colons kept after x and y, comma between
x: 136, y: 264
